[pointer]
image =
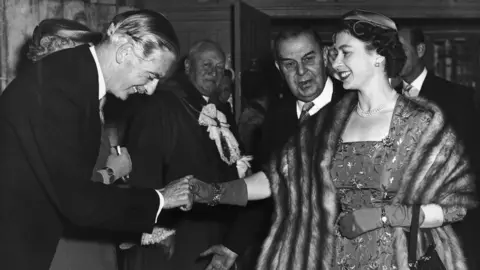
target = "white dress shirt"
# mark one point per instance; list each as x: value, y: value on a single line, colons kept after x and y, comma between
x: 418, y: 82
x: 102, y: 91
x: 319, y: 102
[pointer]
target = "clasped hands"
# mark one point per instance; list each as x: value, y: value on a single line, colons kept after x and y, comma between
x: 184, y: 192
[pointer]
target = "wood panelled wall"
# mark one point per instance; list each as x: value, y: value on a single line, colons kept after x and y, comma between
x: 214, y: 24
x: 19, y: 18
x: 198, y: 19
x: 332, y: 8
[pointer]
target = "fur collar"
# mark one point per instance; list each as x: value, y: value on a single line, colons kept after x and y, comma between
x: 302, y: 233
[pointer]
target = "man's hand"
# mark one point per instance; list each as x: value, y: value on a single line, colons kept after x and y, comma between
x: 223, y: 258
x: 120, y: 164
x: 177, y: 194
x: 201, y: 191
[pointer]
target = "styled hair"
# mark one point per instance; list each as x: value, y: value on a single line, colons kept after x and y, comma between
x: 201, y: 45
x: 150, y: 30
x: 52, y: 35
x: 294, y: 32
x: 385, y: 41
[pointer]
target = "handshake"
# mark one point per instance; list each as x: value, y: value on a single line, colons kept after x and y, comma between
x: 185, y: 191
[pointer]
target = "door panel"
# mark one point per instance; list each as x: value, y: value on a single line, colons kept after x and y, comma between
x: 251, y: 41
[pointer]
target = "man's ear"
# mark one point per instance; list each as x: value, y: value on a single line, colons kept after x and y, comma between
x: 124, y: 52
x: 421, y: 50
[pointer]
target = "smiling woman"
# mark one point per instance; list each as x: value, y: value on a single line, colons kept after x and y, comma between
x: 346, y: 184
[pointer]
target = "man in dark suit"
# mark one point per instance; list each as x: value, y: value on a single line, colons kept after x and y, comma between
x: 455, y: 100
x: 50, y: 137
x: 457, y: 103
x: 302, y: 60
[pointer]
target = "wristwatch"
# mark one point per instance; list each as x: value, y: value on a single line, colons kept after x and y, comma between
x: 111, y: 175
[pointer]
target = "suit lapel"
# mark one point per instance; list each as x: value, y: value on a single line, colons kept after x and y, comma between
x: 88, y: 82
x: 338, y: 91
x: 190, y: 97
x: 289, y: 115
x: 428, y: 87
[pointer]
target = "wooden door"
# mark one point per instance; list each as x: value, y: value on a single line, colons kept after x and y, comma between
x: 252, y: 40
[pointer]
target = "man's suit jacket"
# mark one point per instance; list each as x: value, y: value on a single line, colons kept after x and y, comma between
x: 457, y: 103
x: 49, y: 141
x: 281, y: 122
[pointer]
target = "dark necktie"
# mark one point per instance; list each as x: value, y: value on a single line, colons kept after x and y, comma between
x: 304, y: 114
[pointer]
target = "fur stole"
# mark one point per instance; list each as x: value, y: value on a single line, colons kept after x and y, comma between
x: 302, y: 233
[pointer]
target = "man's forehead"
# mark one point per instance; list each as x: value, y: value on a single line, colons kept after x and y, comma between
x: 159, y: 63
x: 300, y: 45
x: 210, y: 53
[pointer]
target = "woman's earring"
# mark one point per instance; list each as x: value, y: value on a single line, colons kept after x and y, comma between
x: 377, y: 64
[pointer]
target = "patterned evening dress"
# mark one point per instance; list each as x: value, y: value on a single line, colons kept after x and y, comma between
x: 368, y: 174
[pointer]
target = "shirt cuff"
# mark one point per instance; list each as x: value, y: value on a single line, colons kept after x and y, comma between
x: 433, y: 216
x: 162, y: 202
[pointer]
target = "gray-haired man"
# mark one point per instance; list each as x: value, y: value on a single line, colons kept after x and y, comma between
x: 50, y: 133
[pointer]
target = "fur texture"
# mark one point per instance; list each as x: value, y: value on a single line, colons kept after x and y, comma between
x: 302, y: 233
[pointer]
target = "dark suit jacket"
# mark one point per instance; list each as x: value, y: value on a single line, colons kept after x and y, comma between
x: 49, y: 141
x: 166, y: 143
x: 281, y: 122
x: 457, y: 103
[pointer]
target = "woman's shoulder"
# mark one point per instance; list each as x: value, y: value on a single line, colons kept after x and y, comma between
x: 422, y: 113
x: 420, y: 108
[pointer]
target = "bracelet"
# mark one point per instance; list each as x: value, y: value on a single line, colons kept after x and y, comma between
x: 217, y: 194
x: 384, y: 217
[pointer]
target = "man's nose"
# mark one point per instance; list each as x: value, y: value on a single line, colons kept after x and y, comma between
x: 301, y: 70
x: 212, y: 72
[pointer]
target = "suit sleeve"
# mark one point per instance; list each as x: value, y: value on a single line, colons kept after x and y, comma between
x: 150, y: 140
x: 57, y: 144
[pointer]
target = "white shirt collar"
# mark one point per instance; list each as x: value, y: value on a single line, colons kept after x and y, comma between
x: 319, y: 102
x: 418, y: 82
x: 102, y: 87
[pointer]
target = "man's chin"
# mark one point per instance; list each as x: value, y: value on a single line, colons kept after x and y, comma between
x: 310, y: 93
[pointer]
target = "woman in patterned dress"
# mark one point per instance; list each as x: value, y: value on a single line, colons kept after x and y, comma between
x: 345, y: 184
